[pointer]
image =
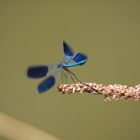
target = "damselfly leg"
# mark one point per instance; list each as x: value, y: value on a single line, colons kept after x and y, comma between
x: 72, y: 75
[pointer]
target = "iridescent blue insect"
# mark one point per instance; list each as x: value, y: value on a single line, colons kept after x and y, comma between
x: 51, y: 72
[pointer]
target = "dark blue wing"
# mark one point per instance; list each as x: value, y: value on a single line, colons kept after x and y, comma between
x: 37, y: 71
x: 67, y: 49
x: 80, y: 58
x: 46, y: 84
x: 68, y: 52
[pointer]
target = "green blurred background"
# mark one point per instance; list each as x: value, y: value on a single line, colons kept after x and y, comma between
x: 31, y: 33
